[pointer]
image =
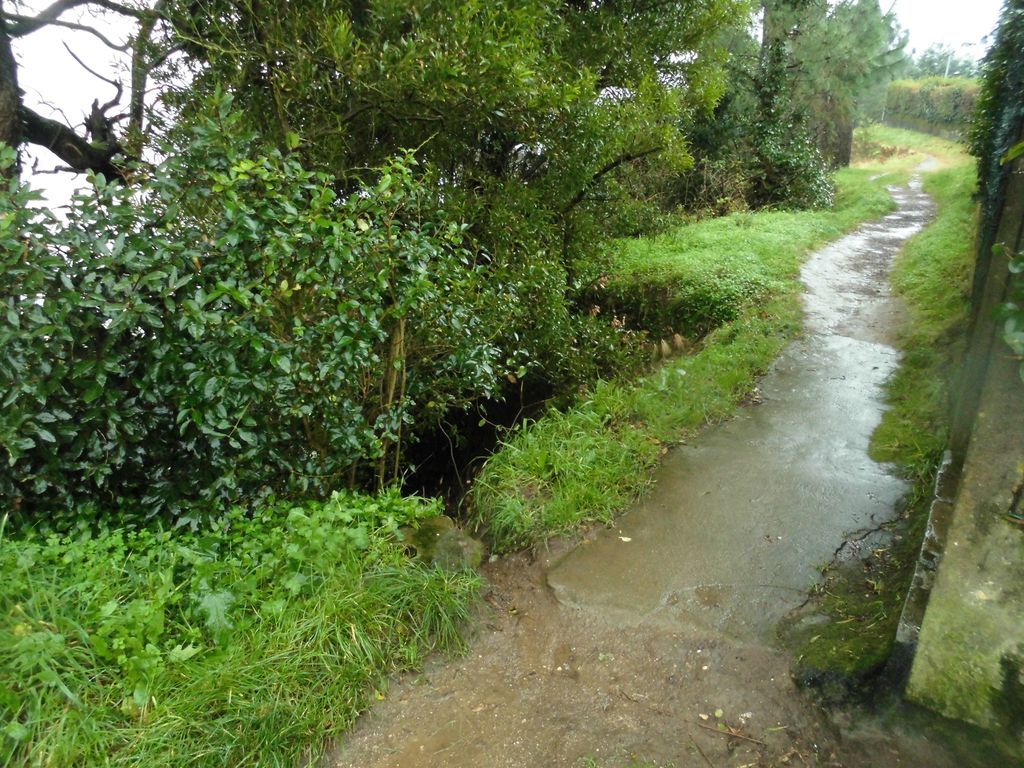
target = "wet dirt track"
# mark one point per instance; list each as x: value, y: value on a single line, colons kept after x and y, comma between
x: 644, y: 639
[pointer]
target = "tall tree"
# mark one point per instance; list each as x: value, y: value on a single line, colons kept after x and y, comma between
x: 835, y: 54
x: 940, y: 60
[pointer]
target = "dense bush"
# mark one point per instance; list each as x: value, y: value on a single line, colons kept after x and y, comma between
x: 528, y: 113
x: 243, y: 642
x: 944, y: 106
x: 230, y: 325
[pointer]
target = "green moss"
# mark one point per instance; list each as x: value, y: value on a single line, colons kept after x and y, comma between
x: 862, y: 601
x: 955, y: 679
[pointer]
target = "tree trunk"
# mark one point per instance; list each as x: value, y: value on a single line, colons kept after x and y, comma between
x: 10, y: 99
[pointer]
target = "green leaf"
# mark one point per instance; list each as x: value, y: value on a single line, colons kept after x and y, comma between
x: 215, y: 607
x: 15, y: 730
x: 1013, y: 153
x: 92, y: 393
x: 181, y: 653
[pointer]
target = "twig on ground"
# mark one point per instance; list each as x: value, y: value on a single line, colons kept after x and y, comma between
x: 730, y: 732
x: 706, y: 759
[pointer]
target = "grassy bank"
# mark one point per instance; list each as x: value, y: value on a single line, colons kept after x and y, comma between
x: 933, y: 275
x: 246, y: 643
x: 736, y: 274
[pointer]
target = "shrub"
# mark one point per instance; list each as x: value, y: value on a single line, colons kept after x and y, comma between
x: 943, y: 106
x: 232, y: 324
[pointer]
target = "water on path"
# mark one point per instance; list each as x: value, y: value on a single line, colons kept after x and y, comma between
x: 739, y: 524
x: 643, y: 640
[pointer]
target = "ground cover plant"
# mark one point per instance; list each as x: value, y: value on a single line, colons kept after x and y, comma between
x: 243, y: 642
x: 735, y: 277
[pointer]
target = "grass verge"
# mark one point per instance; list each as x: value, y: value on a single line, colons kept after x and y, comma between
x: 246, y: 643
x: 864, y: 599
x: 738, y: 274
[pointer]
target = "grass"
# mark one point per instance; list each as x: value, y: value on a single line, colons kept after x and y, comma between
x: 737, y: 275
x: 932, y: 274
x: 911, y: 148
x: 247, y: 643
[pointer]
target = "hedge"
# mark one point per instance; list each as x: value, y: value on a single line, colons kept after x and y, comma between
x: 936, y: 105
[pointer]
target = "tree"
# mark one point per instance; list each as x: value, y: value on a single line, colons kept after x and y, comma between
x: 527, y: 112
x: 940, y: 60
x: 103, y: 148
x: 365, y: 218
x: 837, y: 55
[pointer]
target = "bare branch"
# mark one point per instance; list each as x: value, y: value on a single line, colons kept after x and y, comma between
x: 95, y: 33
x: 26, y: 25
x: 93, y: 72
x: 73, y: 149
x: 606, y: 169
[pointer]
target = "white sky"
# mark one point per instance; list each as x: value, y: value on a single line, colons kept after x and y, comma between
x: 961, y: 24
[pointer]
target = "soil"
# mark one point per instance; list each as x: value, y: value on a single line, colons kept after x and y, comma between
x: 653, y: 643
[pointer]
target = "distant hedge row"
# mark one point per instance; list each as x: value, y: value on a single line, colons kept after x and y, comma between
x: 937, y: 105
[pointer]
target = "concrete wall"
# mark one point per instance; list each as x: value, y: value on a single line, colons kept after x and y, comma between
x: 969, y: 662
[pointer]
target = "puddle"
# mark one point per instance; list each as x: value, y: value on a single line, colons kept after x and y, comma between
x: 656, y: 650
x: 756, y: 505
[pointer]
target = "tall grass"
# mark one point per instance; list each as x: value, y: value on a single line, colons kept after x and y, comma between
x: 740, y: 272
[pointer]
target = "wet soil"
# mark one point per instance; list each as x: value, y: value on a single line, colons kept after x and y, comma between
x: 655, y: 640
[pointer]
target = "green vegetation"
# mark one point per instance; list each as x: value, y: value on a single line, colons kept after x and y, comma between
x: 939, y: 105
x: 864, y: 599
x: 244, y: 642
x: 588, y: 463
x: 248, y: 328
x: 995, y: 141
x: 348, y: 225
x: 788, y: 111
x: 941, y: 60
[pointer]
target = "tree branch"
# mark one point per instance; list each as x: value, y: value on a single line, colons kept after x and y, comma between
x: 610, y: 166
x: 93, y: 72
x: 80, y: 28
x: 142, y: 65
x: 26, y: 25
x: 10, y: 96
x: 80, y: 154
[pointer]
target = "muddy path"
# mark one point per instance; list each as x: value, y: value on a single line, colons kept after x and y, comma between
x: 654, y: 641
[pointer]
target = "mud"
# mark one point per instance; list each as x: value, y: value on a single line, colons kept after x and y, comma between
x: 653, y: 640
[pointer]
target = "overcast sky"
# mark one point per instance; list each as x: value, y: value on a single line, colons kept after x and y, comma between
x: 953, y: 22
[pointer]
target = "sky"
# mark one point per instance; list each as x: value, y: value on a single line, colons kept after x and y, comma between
x: 961, y: 24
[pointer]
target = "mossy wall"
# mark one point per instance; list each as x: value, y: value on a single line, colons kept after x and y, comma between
x: 971, y: 648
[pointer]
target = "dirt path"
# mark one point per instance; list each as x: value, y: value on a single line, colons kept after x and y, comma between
x: 647, y: 640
